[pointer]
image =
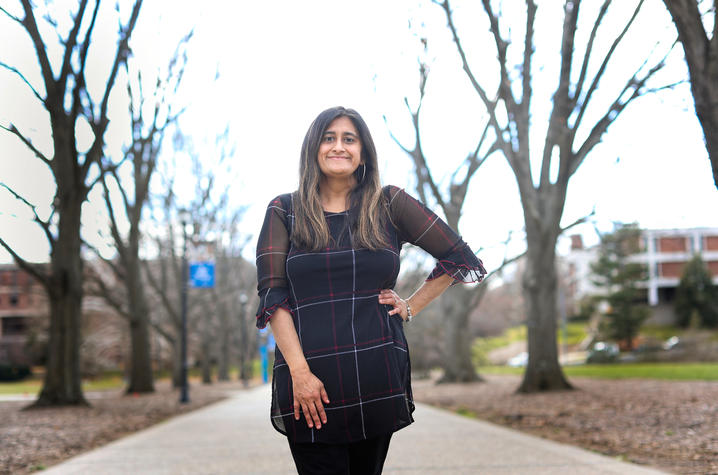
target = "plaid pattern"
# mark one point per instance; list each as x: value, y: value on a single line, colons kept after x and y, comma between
x: 350, y: 342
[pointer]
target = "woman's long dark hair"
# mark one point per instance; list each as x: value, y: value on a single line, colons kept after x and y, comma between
x: 310, y: 230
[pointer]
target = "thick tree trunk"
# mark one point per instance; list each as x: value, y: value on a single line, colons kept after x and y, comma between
x: 705, y: 96
x: 141, y: 379
x: 543, y: 372
x: 701, y: 52
x: 457, y: 362
x: 63, y: 380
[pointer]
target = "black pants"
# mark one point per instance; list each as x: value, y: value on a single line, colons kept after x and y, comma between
x: 365, y: 457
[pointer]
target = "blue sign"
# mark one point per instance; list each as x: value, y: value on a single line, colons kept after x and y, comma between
x: 201, y: 274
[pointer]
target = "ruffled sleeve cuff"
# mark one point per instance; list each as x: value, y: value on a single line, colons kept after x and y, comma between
x: 269, y: 301
x: 461, y: 264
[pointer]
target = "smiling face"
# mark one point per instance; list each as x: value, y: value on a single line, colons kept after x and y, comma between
x: 339, y: 150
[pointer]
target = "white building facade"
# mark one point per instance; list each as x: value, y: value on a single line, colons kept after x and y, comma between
x: 664, y: 251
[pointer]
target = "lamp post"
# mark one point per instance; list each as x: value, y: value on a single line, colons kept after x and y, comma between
x: 184, y: 217
x: 242, y: 339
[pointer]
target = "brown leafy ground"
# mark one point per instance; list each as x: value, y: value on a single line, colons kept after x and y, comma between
x: 36, y: 439
x: 671, y: 425
x: 666, y: 424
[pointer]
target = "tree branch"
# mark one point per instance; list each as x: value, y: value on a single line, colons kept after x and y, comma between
x: 599, y: 74
x: 45, y: 225
x: 24, y: 79
x: 32, y: 269
x: 106, y: 293
x: 115, y: 269
x: 79, y: 86
x: 13, y: 130
x: 70, y: 43
x: 166, y: 303
x: 589, y: 50
x: 561, y: 101
x: 12, y: 17
x: 528, y: 54
x: 501, y: 48
x: 100, y: 125
x: 490, y: 105
x: 578, y: 221
x: 31, y: 27
x: 611, y: 115
x: 423, y: 173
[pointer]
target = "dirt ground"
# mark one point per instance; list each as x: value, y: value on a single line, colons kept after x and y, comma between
x: 670, y: 425
x: 34, y: 440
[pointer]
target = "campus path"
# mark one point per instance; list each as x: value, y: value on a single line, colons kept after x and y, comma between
x: 234, y: 437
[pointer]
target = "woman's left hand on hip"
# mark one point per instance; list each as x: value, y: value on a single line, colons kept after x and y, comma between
x: 389, y: 297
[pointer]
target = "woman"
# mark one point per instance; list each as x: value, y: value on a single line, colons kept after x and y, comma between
x: 327, y: 261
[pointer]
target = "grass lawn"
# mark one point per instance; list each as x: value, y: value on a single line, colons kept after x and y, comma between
x: 110, y: 380
x: 669, y: 371
x: 32, y: 385
x: 575, y: 333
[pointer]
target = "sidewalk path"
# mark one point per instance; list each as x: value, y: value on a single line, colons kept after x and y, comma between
x: 235, y: 437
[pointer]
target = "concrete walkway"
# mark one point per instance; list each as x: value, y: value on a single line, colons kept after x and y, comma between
x: 235, y: 437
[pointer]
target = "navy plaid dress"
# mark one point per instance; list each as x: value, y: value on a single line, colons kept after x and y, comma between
x: 349, y: 341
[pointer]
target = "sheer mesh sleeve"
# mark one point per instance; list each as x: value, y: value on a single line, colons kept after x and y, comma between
x: 272, y: 248
x: 418, y: 225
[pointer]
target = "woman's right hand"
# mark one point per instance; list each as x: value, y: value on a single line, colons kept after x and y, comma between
x: 309, y: 396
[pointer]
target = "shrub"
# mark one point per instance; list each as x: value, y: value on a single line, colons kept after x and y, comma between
x: 10, y: 372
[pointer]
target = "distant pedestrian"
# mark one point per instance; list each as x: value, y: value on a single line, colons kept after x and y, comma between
x: 327, y: 264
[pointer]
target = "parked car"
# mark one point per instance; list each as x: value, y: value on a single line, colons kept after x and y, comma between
x: 603, y: 352
x: 519, y: 360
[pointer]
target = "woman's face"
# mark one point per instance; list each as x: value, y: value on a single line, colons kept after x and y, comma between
x: 340, y: 149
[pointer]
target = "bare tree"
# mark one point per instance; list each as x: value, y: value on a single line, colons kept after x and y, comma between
x: 206, y: 205
x: 150, y: 116
x: 67, y: 101
x: 231, y: 293
x: 509, y: 115
x: 701, y: 52
x: 458, y: 302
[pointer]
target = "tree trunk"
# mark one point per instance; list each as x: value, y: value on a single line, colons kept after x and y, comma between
x: 206, y: 363
x: 63, y: 380
x: 457, y: 364
x: 705, y: 96
x: 141, y: 379
x: 177, y: 363
x: 701, y: 54
x: 223, y: 357
x: 543, y: 372
x: 223, y: 360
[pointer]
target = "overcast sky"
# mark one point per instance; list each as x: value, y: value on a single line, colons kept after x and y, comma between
x: 281, y: 62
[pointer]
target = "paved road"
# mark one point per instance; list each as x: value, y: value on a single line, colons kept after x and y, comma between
x: 234, y: 437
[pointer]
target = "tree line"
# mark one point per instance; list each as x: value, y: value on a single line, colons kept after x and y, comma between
x: 578, y: 119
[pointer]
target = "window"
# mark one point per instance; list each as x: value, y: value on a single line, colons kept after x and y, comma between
x: 14, y: 325
x: 711, y: 243
x: 672, y: 244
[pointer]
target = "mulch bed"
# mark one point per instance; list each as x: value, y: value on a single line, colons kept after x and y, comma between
x: 35, y: 439
x: 670, y: 425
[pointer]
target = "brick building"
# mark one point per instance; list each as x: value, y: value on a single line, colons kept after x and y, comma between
x: 666, y: 251
x: 25, y: 317
x: 23, y: 306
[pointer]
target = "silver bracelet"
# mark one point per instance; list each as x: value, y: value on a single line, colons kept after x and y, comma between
x: 409, y: 316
